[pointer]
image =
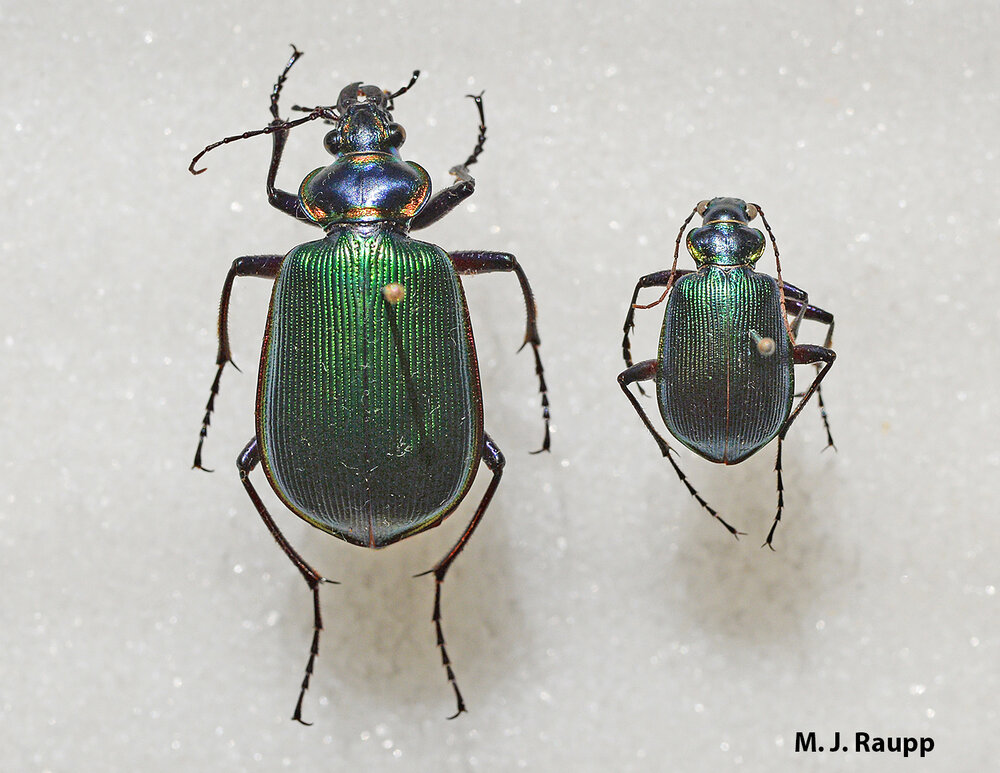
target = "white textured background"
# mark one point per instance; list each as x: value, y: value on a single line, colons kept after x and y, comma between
x: 599, y: 621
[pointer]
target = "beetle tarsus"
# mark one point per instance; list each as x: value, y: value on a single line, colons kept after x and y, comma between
x: 445, y: 660
x: 197, y: 465
x: 781, y: 498
x: 822, y: 413
x: 313, y: 649
x: 481, y: 139
x: 544, y: 391
x: 494, y: 460
x: 206, y: 420
x: 279, y: 84
x: 445, y: 201
x: 803, y: 354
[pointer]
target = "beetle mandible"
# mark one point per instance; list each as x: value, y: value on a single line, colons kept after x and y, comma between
x: 724, y: 374
x: 369, y: 414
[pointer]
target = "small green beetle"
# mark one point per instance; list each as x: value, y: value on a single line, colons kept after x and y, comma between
x: 724, y: 375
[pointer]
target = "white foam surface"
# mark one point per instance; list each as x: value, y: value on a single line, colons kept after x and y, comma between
x: 598, y: 621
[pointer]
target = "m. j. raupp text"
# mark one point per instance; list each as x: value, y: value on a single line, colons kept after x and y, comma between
x: 866, y: 742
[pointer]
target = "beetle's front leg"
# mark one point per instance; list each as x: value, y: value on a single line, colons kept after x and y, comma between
x: 485, y: 262
x: 249, y: 265
x: 280, y: 199
x: 445, y: 201
x: 276, y: 197
x: 646, y: 371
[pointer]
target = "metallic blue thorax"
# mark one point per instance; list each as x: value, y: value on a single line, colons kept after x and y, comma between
x: 368, y: 182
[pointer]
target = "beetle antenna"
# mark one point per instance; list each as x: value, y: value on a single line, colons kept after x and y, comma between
x: 777, y: 263
x: 271, y: 128
x: 413, y: 79
x: 673, y: 267
x: 333, y: 116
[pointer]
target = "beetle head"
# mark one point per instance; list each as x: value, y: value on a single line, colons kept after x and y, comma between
x: 725, y: 210
x: 364, y: 120
x: 724, y: 237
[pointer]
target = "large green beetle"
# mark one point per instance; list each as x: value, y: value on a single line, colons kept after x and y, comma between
x: 725, y: 371
x: 369, y: 410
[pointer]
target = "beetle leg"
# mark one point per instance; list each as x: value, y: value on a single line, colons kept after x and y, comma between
x: 250, y: 265
x: 646, y: 371
x: 247, y: 460
x: 485, y: 262
x: 445, y: 201
x: 663, y: 279
x: 280, y: 199
x: 657, y: 279
x: 494, y: 460
x: 802, y: 309
x: 796, y: 302
x: 808, y: 354
x: 781, y: 496
x: 804, y: 354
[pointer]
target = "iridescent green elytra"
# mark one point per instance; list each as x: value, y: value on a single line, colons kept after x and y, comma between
x: 370, y: 414
x: 716, y: 392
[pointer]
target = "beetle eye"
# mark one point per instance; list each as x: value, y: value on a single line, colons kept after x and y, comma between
x: 397, y: 135
x: 332, y: 142
x: 701, y: 207
x: 751, y: 211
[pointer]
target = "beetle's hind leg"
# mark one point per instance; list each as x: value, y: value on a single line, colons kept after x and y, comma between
x: 804, y: 354
x: 247, y: 460
x: 494, y: 460
x: 249, y: 265
x: 646, y: 371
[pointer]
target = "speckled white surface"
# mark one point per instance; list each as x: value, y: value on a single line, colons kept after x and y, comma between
x: 599, y: 621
